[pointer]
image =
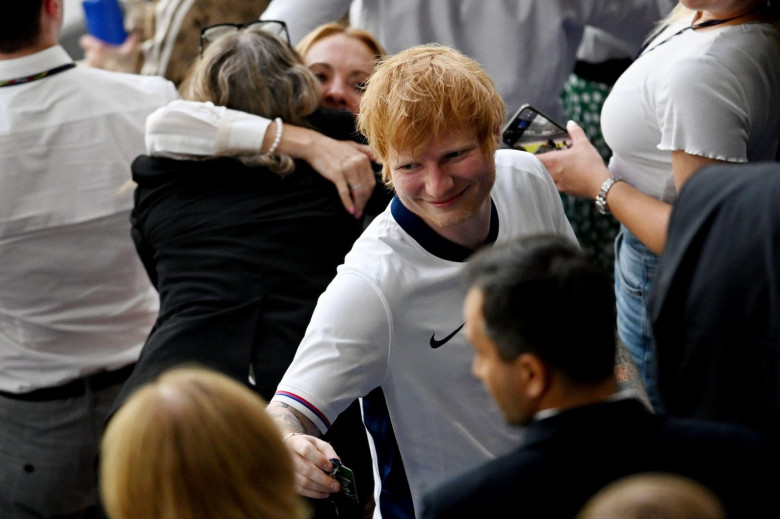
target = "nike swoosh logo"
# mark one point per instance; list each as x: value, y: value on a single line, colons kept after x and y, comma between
x: 437, y: 343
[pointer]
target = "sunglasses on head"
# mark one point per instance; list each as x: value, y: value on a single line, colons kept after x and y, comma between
x: 214, y: 32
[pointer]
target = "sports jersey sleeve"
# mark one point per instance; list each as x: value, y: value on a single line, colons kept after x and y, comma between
x: 344, y: 353
x: 705, y: 118
x: 553, y: 204
x: 540, y: 209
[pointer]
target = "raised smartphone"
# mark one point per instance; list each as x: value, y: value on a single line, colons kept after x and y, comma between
x: 532, y: 131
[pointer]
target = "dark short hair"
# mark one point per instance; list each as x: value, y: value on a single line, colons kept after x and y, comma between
x: 544, y: 295
x: 20, y: 25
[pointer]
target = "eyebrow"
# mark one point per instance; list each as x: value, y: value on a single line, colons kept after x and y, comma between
x: 321, y: 64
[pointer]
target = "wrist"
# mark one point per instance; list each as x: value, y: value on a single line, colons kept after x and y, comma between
x: 601, y: 197
x: 290, y: 435
x: 298, y: 142
x: 277, y: 136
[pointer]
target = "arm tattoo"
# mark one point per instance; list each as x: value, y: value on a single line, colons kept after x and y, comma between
x: 286, y: 418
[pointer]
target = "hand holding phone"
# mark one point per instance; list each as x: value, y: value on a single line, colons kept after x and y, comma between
x: 346, y: 477
x: 532, y: 131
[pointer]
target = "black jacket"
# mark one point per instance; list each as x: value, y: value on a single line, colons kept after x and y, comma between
x: 568, y: 457
x: 715, y: 305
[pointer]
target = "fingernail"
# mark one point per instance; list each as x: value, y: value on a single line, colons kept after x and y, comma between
x: 334, y: 486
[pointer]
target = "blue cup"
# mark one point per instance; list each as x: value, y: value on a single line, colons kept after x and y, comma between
x: 105, y: 20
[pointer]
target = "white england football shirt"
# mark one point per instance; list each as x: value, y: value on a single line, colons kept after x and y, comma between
x: 392, y: 318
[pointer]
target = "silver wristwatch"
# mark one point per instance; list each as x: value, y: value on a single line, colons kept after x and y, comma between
x: 601, y: 198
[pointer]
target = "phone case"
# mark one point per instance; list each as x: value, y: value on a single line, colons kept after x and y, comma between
x: 533, y: 131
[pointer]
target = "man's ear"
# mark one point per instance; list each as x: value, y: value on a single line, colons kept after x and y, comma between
x: 533, y: 375
x: 53, y: 8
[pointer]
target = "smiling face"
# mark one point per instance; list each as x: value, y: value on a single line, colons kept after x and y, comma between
x: 342, y: 63
x: 447, y: 184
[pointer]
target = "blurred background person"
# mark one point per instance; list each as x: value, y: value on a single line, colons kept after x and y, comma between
x: 528, y: 48
x: 163, y: 35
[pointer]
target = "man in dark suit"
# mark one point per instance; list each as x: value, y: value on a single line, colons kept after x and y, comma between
x: 539, y: 314
x: 716, y: 300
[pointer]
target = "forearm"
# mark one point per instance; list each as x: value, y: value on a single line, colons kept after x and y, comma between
x: 184, y: 129
x: 189, y: 128
x: 290, y: 420
x: 646, y: 217
x: 296, y: 141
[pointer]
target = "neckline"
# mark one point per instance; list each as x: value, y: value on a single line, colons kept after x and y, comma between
x: 434, y: 242
x: 691, y: 27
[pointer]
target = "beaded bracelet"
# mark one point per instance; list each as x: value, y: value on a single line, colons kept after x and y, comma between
x: 278, y: 137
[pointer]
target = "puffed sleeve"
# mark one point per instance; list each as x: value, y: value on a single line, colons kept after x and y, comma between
x: 187, y: 129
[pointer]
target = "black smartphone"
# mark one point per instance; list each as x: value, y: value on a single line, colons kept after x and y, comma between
x: 346, y: 477
x: 532, y: 131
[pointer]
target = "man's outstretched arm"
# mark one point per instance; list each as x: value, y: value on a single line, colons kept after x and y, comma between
x: 311, y: 456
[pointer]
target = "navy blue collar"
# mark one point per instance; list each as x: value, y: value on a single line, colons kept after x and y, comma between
x: 434, y: 242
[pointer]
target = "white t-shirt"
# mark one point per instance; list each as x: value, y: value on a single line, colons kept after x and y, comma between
x: 713, y: 93
x: 385, y: 321
x: 74, y: 297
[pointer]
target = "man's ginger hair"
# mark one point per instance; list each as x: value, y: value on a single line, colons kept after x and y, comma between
x: 421, y: 94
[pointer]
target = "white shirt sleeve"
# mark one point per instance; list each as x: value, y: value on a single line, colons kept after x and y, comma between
x: 344, y: 353
x: 186, y: 129
x: 706, y: 118
x: 301, y: 16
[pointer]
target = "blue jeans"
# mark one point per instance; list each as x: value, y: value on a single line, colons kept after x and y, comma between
x: 635, y: 267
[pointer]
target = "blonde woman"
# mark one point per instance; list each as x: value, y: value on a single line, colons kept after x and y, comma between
x: 195, y: 444
x: 342, y: 58
x: 704, y: 90
x: 660, y: 495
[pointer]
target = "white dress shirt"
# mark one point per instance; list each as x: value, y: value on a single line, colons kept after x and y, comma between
x: 74, y: 298
x: 188, y: 129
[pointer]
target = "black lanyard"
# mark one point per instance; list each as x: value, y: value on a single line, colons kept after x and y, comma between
x: 36, y: 77
x: 693, y: 27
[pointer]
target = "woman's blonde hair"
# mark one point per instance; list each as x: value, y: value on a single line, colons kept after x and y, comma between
x: 659, y: 495
x: 258, y: 73
x: 196, y: 444
x: 329, y: 29
x: 423, y: 93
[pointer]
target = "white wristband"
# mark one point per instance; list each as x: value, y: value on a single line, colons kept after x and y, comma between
x: 278, y: 137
